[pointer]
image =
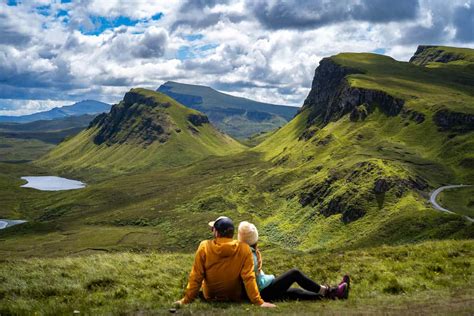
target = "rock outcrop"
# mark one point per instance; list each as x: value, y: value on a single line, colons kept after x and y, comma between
x: 135, y: 119
x: 198, y: 119
x: 454, y: 121
x: 332, y: 97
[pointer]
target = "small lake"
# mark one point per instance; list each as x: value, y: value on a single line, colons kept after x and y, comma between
x: 4, y: 223
x: 51, y: 183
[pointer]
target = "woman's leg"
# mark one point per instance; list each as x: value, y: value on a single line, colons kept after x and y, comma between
x: 278, y: 288
x: 294, y: 293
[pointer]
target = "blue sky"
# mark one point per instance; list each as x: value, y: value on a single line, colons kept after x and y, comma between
x: 57, y: 52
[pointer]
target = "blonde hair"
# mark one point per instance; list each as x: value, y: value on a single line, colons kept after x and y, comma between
x: 259, y: 258
x: 248, y: 233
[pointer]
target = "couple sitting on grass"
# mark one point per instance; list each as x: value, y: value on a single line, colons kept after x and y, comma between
x: 223, y: 266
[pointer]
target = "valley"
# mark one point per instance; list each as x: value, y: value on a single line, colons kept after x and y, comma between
x: 343, y: 187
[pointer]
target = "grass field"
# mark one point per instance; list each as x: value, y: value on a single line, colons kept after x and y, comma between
x: 428, y: 278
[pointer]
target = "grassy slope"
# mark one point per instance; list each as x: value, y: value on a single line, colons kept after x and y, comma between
x: 393, y: 147
x: 242, y: 128
x: 429, y: 278
x: 22, y: 150
x: 139, y: 211
x: 182, y: 148
x: 431, y: 53
x: 215, y: 99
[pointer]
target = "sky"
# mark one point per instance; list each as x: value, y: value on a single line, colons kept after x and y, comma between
x: 54, y: 53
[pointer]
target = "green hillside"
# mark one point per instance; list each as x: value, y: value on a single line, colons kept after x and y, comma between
x: 427, y: 54
x: 238, y: 117
x: 343, y: 187
x: 374, y: 137
x: 145, y: 130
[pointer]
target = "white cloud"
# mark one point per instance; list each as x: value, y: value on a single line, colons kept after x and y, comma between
x: 260, y: 57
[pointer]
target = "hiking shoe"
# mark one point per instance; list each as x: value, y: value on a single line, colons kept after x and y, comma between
x: 340, y: 292
x: 346, y: 279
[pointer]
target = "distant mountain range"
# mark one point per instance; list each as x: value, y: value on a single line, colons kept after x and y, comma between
x: 50, y: 131
x: 238, y: 117
x: 76, y: 109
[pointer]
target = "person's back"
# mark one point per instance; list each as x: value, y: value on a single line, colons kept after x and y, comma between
x: 223, y: 259
x: 221, y: 266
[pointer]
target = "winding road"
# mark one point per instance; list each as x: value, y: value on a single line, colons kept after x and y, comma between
x: 435, y: 193
x: 4, y: 223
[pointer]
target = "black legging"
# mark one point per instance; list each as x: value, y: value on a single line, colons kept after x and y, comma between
x: 281, y: 289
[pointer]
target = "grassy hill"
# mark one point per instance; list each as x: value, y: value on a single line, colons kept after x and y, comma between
x: 373, y: 138
x: 238, y: 117
x: 343, y: 187
x: 430, y: 278
x: 146, y: 130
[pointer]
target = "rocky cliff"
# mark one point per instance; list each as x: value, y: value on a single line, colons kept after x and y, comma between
x: 454, y: 121
x: 332, y: 97
x: 136, y: 119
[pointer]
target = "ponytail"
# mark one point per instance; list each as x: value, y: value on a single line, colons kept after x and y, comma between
x: 259, y: 258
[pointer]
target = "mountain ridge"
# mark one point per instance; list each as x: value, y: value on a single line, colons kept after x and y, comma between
x: 237, y: 116
x: 76, y: 109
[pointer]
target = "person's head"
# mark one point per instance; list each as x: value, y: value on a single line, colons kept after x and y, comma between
x: 248, y: 233
x: 222, y: 227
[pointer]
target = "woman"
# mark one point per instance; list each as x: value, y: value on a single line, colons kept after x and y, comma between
x: 277, y: 288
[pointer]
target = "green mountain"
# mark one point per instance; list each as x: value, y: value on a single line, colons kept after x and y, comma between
x: 76, y: 109
x: 373, y: 138
x: 238, y: 117
x: 145, y: 130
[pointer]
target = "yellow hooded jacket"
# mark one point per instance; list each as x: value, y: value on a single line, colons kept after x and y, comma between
x: 220, y: 266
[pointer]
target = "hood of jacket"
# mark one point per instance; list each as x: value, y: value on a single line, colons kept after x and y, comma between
x: 224, y: 247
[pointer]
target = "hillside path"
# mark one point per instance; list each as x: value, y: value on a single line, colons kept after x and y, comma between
x: 435, y: 193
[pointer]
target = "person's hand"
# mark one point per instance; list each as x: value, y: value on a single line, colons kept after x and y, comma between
x: 179, y: 303
x: 268, y: 305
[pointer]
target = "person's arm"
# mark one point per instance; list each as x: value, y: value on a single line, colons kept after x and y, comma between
x: 248, y: 277
x: 196, y: 276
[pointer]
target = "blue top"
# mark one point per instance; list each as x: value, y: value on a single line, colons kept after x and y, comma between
x: 263, y: 280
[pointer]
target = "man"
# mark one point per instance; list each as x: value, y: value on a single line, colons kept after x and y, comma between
x: 220, y: 266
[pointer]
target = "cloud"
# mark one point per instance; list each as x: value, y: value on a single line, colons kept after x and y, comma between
x: 262, y: 49
x: 295, y: 14
x: 464, y: 22
x: 152, y: 44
